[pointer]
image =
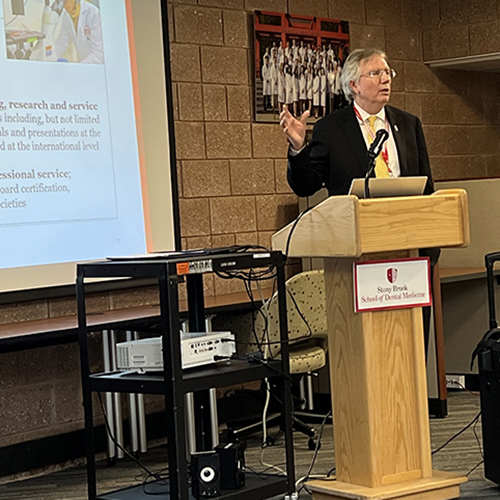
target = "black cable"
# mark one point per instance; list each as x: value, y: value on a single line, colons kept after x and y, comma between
x: 278, y: 434
x: 271, y: 440
x: 273, y: 342
x: 150, y: 473
x: 246, y: 248
x: 264, y: 362
x: 257, y: 342
x: 222, y: 358
x: 229, y: 249
x: 316, y: 450
x: 265, y: 334
x: 266, y: 304
x: 331, y: 471
x: 260, y: 342
x: 268, y: 273
x: 457, y: 434
x: 163, y: 479
x: 117, y: 444
x: 292, y: 229
x: 301, y: 315
x: 253, y: 276
x: 264, y: 474
x: 474, y: 468
x: 297, y: 308
x: 163, y: 472
x: 243, y: 275
x: 477, y: 439
x: 153, y: 493
x: 248, y: 288
x: 248, y: 277
x: 255, y: 359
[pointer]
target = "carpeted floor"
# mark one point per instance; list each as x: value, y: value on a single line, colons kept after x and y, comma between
x: 462, y: 455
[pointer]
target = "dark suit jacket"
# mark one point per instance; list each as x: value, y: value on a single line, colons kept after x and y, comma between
x: 337, y: 152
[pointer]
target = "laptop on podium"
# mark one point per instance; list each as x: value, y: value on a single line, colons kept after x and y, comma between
x: 384, y: 187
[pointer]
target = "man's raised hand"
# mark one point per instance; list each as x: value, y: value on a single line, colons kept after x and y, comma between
x: 295, y: 130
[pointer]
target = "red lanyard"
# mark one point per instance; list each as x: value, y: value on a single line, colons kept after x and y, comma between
x: 371, y: 134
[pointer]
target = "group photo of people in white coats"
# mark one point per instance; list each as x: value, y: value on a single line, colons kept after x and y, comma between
x: 301, y: 75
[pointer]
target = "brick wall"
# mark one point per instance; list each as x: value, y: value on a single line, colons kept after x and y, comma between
x: 232, y: 182
x: 232, y: 171
x: 460, y: 109
x: 40, y: 389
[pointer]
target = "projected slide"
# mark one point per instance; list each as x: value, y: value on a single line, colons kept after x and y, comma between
x: 70, y: 176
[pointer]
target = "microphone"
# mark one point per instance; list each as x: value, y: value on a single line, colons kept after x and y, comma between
x: 376, y: 146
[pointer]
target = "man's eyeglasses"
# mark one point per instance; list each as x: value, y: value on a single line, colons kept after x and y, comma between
x: 378, y: 73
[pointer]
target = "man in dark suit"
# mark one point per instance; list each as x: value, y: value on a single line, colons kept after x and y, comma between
x: 337, y: 152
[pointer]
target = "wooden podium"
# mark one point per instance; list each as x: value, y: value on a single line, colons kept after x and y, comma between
x: 377, y: 359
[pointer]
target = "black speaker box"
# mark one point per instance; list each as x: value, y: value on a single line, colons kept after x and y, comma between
x: 205, y: 474
x: 232, y: 465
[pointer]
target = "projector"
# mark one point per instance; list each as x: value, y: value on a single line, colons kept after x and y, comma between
x: 197, y: 349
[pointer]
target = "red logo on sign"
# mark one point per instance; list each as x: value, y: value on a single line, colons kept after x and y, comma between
x: 392, y: 274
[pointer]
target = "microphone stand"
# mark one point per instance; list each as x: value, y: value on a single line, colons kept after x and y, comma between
x: 371, y: 168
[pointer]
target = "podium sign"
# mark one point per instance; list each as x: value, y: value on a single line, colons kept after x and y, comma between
x: 392, y: 284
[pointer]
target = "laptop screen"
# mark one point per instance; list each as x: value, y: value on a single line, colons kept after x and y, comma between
x: 389, y: 186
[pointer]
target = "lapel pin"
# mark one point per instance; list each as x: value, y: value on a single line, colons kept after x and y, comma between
x: 396, y: 129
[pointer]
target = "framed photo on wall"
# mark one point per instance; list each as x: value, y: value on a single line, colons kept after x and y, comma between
x: 298, y: 62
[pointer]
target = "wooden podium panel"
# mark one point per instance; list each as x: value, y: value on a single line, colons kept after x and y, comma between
x: 377, y: 359
x: 373, y: 361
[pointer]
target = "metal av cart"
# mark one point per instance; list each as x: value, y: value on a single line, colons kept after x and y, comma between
x: 168, y: 271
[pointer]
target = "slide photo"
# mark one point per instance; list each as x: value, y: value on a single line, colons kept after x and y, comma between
x: 53, y: 30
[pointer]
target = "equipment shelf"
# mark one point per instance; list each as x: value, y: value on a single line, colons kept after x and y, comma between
x: 174, y: 383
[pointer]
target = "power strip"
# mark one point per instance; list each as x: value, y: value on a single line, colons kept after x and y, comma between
x: 455, y: 382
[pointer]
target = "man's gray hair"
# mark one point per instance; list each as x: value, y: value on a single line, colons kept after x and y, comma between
x: 351, y: 71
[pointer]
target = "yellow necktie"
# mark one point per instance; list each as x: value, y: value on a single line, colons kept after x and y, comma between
x: 75, y: 14
x: 381, y: 168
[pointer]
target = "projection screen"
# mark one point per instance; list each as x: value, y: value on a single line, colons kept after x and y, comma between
x: 85, y: 170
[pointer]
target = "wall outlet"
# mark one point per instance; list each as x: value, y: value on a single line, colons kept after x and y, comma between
x: 455, y: 382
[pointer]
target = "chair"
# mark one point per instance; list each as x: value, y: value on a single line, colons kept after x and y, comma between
x: 307, y: 328
x: 307, y: 332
